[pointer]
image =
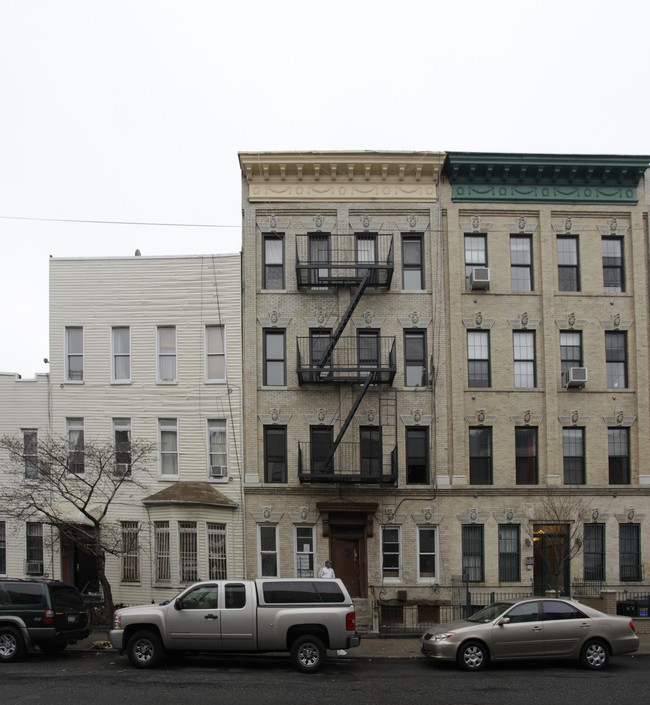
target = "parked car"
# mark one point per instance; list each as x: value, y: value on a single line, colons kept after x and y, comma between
x: 44, y: 613
x: 532, y: 629
x: 304, y: 617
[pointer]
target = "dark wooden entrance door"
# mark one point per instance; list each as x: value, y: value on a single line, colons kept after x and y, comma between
x: 347, y: 562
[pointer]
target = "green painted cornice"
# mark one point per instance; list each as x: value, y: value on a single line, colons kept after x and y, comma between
x: 482, y: 177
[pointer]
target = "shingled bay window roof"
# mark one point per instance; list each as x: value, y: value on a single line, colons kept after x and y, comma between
x: 190, y: 493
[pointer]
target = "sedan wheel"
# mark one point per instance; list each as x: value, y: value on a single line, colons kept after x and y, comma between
x: 472, y: 656
x: 594, y: 655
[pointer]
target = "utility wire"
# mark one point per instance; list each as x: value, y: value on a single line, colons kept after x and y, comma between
x: 118, y: 222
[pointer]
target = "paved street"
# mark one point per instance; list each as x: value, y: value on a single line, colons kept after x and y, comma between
x: 105, y: 678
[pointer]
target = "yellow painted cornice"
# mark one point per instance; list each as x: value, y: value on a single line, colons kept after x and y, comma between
x: 342, y: 176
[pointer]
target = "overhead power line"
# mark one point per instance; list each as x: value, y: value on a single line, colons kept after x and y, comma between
x: 119, y: 222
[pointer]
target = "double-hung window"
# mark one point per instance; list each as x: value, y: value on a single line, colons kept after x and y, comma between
x: 473, y: 553
x: 570, y: 350
x: 629, y: 550
x: 475, y: 255
x: 613, y: 272
x: 74, y: 354
x: 122, y: 439
x: 526, y: 455
x: 568, y: 264
x: 273, y: 264
x: 162, y: 548
x: 390, y: 552
x: 215, y: 354
x: 415, y: 358
x: 217, y: 564
x: 509, y: 553
x: 480, y: 455
x: 30, y: 453
x: 412, y: 263
x: 275, y: 364
x: 478, y: 358
x: 188, y: 551
x: 76, y: 446
x: 427, y: 553
x: 616, y: 359
x: 417, y: 455
x: 168, y: 448
x: 618, y: 442
x: 268, y: 545
x: 121, y: 350
x: 523, y: 343
x: 130, y: 551
x: 521, y: 263
x: 593, y: 551
x: 167, y: 354
x: 573, y: 442
x: 217, y: 449
x: 275, y: 453
x: 304, y: 551
x: 34, y: 548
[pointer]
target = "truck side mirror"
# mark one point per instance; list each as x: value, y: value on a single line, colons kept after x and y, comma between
x: 177, y: 605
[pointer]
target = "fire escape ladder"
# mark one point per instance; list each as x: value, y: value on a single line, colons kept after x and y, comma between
x: 345, y: 318
x: 362, y: 392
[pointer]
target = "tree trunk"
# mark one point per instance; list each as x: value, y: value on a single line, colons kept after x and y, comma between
x: 100, y: 563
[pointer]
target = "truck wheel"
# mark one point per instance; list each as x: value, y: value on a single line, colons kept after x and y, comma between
x: 12, y: 647
x: 308, y: 653
x: 145, y: 650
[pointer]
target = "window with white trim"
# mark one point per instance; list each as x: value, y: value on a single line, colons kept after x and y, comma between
x: 162, y: 551
x: 168, y: 447
x: 523, y: 343
x: 3, y: 548
x: 122, y: 440
x: 74, y: 354
x: 76, y: 445
x: 217, y: 449
x: 121, y: 352
x: 130, y: 551
x: 215, y: 354
x: 268, y: 545
x: 304, y: 551
x: 217, y: 564
x: 188, y: 551
x: 427, y: 553
x: 34, y: 548
x: 166, y: 338
x: 30, y: 453
x: 391, y: 559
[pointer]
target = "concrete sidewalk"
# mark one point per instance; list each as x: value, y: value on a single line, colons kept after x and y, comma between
x: 371, y: 647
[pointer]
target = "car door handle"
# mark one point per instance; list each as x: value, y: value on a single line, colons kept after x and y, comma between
x: 211, y: 616
x: 536, y: 629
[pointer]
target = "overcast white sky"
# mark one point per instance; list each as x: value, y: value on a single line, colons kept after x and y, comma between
x: 133, y: 111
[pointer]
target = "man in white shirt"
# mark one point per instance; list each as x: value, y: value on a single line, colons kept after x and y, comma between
x: 327, y: 571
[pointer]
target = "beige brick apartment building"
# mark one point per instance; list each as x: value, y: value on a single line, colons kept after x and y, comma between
x: 446, y: 371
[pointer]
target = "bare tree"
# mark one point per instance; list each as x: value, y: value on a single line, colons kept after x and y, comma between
x: 558, y: 522
x: 71, y: 486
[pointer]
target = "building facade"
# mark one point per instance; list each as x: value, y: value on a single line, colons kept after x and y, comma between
x: 432, y: 419
x: 141, y: 349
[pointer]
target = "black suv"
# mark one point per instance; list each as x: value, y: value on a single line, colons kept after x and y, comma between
x: 44, y: 613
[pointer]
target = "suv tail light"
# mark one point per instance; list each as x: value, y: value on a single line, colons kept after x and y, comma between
x: 350, y: 621
x: 49, y: 617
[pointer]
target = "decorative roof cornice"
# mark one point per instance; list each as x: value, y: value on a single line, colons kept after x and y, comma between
x: 342, y: 176
x: 544, y: 178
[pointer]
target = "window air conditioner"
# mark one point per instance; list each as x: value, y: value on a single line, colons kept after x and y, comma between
x: 218, y: 470
x: 33, y: 568
x: 575, y: 377
x: 122, y: 469
x: 479, y: 278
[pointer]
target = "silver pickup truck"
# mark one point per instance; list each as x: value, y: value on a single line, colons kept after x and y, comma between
x: 304, y: 617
